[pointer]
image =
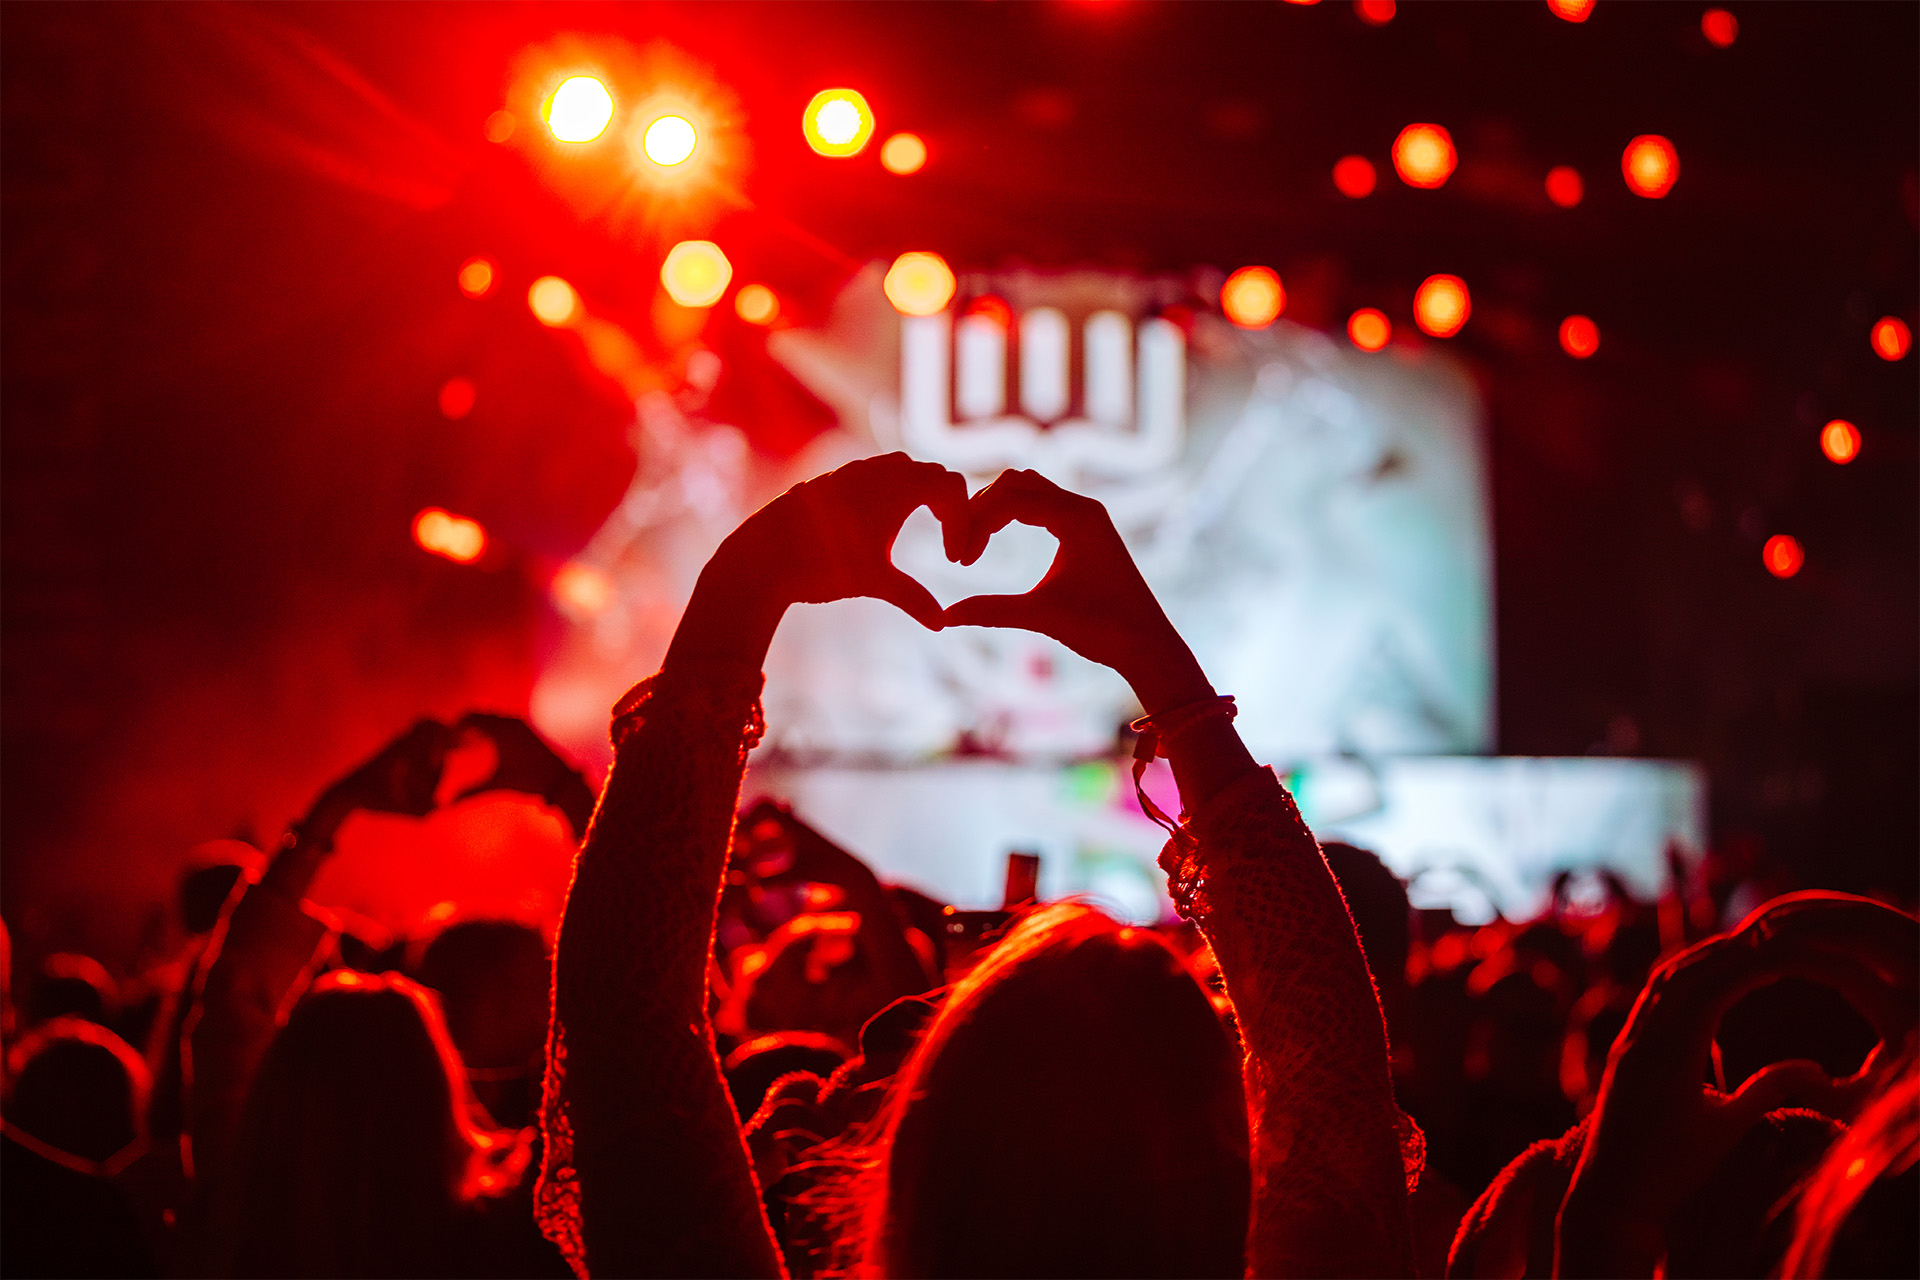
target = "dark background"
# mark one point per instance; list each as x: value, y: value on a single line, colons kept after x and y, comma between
x: 230, y: 239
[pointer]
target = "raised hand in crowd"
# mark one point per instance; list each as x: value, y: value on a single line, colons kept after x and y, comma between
x: 526, y: 762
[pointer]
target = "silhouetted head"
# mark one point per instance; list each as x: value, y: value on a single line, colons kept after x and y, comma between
x: 1381, y: 914
x: 1074, y: 1108
x: 494, y: 980
x: 76, y: 1086
x: 813, y: 973
x: 70, y: 985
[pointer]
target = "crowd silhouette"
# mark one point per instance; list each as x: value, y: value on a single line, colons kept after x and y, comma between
x: 741, y: 1053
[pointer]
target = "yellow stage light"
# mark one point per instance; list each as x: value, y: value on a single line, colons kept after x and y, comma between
x: 903, y: 153
x: 579, y: 110
x: 1253, y: 297
x: 1441, y: 305
x: 837, y: 122
x: 696, y: 273
x: 553, y: 301
x: 669, y: 141
x: 919, y: 284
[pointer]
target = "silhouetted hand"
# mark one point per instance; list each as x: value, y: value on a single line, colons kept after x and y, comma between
x: 524, y: 761
x: 402, y: 776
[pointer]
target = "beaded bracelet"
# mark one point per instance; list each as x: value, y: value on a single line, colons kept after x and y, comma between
x: 1156, y: 731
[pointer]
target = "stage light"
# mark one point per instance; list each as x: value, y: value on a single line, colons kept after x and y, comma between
x: 553, y: 301
x: 1441, y: 305
x: 1571, y: 10
x: 1253, y: 297
x: 1369, y: 328
x: 1579, y: 337
x: 1353, y: 175
x: 1840, y: 441
x: 499, y: 126
x: 837, y: 122
x: 444, y: 534
x: 1375, y: 13
x: 696, y: 273
x: 1719, y: 27
x: 1423, y: 155
x: 1651, y: 166
x: 1891, y: 338
x: 456, y: 398
x: 1564, y: 186
x: 581, y: 591
x: 903, y: 153
x: 579, y: 110
x: 476, y: 277
x: 756, y: 304
x: 1782, y: 556
x: 669, y: 141
x: 919, y: 284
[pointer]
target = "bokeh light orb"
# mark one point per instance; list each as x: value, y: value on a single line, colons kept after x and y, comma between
x: 756, y: 304
x: 1564, y: 186
x: 476, y: 277
x: 1423, y: 156
x: 1571, y: 10
x: 456, y: 398
x: 903, y: 153
x: 499, y: 126
x: 1782, y: 555
x: 1891, y: 338
x: 1840, y: 441
x: 1353, y: 176
x: 1651, y: 166
x: 837, y: 122
x: 919, y: 284
x: 670, y: 140
x: 1253, y: 297
x: 1579, y: 337
x: 1441, y: 305
x: 696, y: 273
x: 579, y: 110
x: 1369, y: 328
x: 553, y: 301
x: 444, y: 534
x: 1719, y: 27
x: 1375, y: 13
x: 581, y: 591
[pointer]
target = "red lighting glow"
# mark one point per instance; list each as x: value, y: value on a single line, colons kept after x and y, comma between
x: 1369, y: 328
x: 1441, y: 305
x: 581, y: 591
x: 1354, y: 176
x: 903, y: 153
x: 456, y: 398
x: 1719, y: 27
x: 756, y: 304
x: 1891, y: 338
x: 1253, y: 297
x: 444, y: 534
x: 1564, y: 186
x: 1375, y: 13
x: 1651, y: 166
x: 837, y: 122
x: 1571, y: 10
x: 553, y: 301
x: 1782, y: 555
x: 919, y: 284
x: 579, y: 110
x: 1579, y: 337
x: 1840, y: 441
x: 476, y: 277
x: 696, y: 273
x: 1423, y: 156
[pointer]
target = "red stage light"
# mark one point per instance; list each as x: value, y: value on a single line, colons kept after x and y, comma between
x: 444, y: 534
x: 1564, y: 186
x: 476, y: 277
x: 1423, y: 155
x: 756, y: 304
x: 837, y: 122
x: 1441, y: 305
x: 1891, y: 338
x: 1369, y: 328
x: 1651, y: 166
x: 579, y: 110
x: 1579, y: 337
x: 696, y: 273
x: 668, y: 141
x: 1375, y: 13
x: 456, y: 397
x: 581, y: 591
x: 989, y: 307
x: 1253, y: 297
x: 919, y: 284
x: 553, y: 301
x: 1782, y: 556
x: 1353, y: 175
x: 1719, y: 27
x: 1571, y: 10
x: 903, y: 153
x: 1840, y: 441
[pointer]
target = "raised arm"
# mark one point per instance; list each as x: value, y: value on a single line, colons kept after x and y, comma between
x: 645, y: 1169
x: 1329, y: 1191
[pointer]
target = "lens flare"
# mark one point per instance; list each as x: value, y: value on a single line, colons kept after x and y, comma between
x: 919, y: 284
x: 696, y: 273
x: 903, y: 153
x: 1354, y: 176
x: 1571, y: 10
x: 456, y: 398
x: 1719, y: 27
x: 444, y: 534
x: 756, y: 304
x: 553, y: 301
x: 669, y: 141
x: 1651, y: 166
x: 1564, y: 186
x: 1441, y: 305
x: 837, y: 122
x: 1423, y: 156
x: 1253, y: 297
x: 1891, y: 338
x: 476, y: 277
x: 1369, y: 328
x: 1579, y: 337
x: 579, y: 110
x: 1782, y: 555
x: 1840, y: 441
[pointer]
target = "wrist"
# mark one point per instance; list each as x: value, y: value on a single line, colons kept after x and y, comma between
x: 1166, y: 675
x: 731, y: 616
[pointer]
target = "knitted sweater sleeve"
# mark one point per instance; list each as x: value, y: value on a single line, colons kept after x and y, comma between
x: 1329, y: 1182
x: 644, y: 1168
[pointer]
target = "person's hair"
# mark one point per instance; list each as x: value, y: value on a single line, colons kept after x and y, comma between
x: 355, y: 1150
x: 1855, y: 1214
x: 80, y: 1089
x: 1075, y: 1108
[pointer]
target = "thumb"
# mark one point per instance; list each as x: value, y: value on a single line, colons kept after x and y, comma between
x: 899, y: 588
x: 995, y: 611
x: 1799, y: 1082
